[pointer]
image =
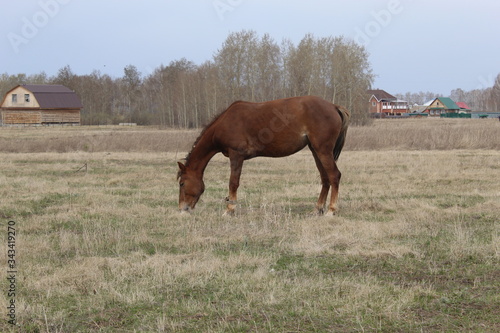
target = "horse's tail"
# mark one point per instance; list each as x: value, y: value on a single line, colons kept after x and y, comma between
x: 346, y: 116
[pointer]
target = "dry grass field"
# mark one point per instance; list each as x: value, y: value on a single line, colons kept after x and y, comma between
x: 100, y: 246
x: 395, y: 134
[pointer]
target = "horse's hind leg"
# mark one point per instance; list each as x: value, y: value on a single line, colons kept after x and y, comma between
x: 320, y: 205
x: 335, y: 189
x: 332, y: 178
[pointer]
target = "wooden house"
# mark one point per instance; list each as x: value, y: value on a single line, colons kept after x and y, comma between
x: 34, y: 104
x: 442, y: 105
x: 381, y: 103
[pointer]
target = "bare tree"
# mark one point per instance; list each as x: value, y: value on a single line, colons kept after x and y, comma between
x: 300, y: 66
x: 65, y: 76
x: 268, y: 63
x: 494, y: 100
x: 333, y: 68
x: 236, y: 65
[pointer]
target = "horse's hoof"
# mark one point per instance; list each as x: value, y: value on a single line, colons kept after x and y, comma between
x: 229, y: 213
x: 184, y: 213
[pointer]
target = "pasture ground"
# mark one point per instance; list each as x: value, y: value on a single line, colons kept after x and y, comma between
x: 100, y: 246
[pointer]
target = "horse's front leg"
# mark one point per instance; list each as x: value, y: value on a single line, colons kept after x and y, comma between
x: 236, y: 162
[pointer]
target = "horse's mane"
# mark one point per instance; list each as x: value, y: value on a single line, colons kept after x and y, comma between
x: 213, y: 121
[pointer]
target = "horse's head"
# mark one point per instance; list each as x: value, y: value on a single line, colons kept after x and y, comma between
x: 191, y: 187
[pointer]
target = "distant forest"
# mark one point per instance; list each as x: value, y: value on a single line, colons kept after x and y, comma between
x: 246, y: 67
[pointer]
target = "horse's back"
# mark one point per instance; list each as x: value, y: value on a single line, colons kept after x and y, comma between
x: 280, y: 127
x: 301, y: 109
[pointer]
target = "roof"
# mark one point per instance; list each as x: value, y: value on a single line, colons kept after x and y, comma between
x: 54, y: 96
x: 381, y: 94
x: 47, y: 88
x: 463, y: 105
x: 418, y: 108
x: 448, y: 103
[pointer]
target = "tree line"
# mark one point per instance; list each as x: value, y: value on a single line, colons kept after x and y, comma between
x: 246, y: 67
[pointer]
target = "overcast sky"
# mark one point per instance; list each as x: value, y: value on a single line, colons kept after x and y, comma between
x: 414, y: 45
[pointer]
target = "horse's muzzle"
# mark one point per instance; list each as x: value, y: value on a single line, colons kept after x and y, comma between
x: 185, y: 209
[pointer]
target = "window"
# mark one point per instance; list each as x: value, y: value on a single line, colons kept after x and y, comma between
x: 27, y: 98
x: 14, y: 98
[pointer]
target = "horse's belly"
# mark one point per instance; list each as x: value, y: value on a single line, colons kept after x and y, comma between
x: 280, y: 146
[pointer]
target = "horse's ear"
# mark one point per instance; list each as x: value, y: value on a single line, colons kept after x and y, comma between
x: 182, y: 167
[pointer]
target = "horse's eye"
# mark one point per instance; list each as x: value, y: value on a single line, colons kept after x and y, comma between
x: 181, y: 184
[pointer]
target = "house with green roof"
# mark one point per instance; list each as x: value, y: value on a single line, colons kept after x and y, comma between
x: 442, y: 105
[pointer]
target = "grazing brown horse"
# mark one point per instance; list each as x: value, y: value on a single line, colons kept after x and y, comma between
x: 274, y: 129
